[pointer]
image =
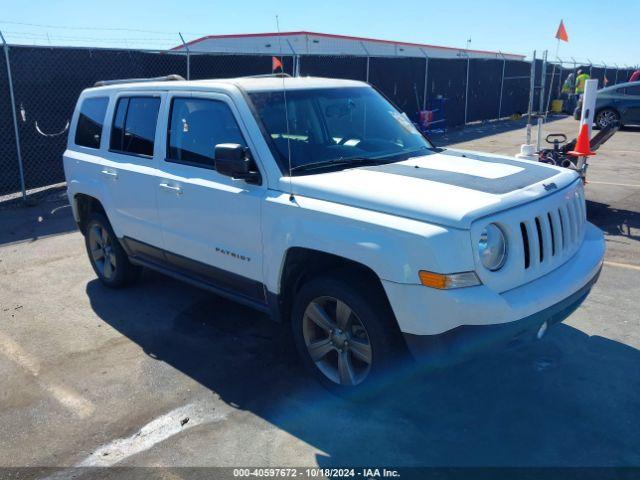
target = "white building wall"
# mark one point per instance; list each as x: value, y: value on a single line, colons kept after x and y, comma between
x: 314, y: 44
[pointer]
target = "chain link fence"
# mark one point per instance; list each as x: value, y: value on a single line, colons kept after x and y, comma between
x: 9, y: 165
x: 47, y: 81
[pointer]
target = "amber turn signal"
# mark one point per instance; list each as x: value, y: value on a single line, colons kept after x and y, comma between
x: 443, y: 281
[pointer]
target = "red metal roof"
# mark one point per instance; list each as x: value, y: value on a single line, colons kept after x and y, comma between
x: 342, y: 37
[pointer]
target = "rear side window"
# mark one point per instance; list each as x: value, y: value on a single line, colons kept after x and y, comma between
x: 633, y: 91
x: 134, y: 125
x: 196, y: 126
x: 90, y: 122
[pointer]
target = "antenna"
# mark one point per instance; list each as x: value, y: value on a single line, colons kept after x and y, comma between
x: 286, y: 110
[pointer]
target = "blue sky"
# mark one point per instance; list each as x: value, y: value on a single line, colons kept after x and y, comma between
x: 599, y: 31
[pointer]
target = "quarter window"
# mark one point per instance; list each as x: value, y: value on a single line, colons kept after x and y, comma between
x: 196, y: 126
x: 90, y: 122
x: 134, y: 125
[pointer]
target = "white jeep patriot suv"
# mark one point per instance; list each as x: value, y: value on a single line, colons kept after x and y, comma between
x: 317, y: 201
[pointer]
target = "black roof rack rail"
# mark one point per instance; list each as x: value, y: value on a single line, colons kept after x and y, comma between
x: 166, y: 78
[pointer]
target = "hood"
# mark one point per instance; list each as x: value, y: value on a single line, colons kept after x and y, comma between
x: 451, y: 188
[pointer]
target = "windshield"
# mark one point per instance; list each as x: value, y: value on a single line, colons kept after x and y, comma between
x: 335, y: 127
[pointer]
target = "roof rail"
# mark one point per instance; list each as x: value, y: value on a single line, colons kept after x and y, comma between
x: 167, y: 78
x: 269, y: 75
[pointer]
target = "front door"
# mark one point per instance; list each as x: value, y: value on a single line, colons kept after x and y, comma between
x: 210, y: 222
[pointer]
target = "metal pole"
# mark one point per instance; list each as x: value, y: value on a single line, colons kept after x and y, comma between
x: 184, y: 44
x: 293, y: 58
x: 426, y: 80
x: 15, y: 118
x: 368, y: 58
x: 466, y: 87
x: 532, y: 87
x: 504, y: 64
x: 553, y: 73
x: 543, y: 78
x: 615, y: 82
x: 466, y: 91
x: 296, y: 66
x: 541, y: 109
x: 560, y: 77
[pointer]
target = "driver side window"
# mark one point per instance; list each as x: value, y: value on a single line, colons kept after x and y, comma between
x: 196, y: 126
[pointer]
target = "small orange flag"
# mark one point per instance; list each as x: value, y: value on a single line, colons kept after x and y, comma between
x: 561, y: 34
x: 276, y: 64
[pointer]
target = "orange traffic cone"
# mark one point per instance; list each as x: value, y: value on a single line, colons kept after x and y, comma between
x: 583, y: 147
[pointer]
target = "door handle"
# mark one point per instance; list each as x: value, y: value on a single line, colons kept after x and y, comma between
x: 171, y: 188
x: 110, y: 173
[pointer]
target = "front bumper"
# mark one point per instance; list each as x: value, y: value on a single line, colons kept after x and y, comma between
x: 463, y: 342
x: 424, y: 313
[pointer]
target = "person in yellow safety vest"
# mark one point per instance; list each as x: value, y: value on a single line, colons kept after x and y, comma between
x: 581, y: 79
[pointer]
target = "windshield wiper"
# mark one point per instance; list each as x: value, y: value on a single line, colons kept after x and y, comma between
x: 416, y: 152
x: 356, y: 161
x: 333, y: 162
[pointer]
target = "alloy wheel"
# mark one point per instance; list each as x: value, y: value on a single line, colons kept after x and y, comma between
x: 607, y: 118
x: 102, y: 252
x: 337, y: 341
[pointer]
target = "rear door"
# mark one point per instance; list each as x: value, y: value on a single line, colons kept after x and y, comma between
x: 130, y: 169
x: 210, y: 222
x: 632, y: 105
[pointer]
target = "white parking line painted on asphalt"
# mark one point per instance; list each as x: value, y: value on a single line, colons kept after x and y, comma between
x: 622, y: 265
x: 156, y: 431
x: 76, y: 403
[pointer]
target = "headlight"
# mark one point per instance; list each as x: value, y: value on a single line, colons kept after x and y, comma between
x: 492, y: 247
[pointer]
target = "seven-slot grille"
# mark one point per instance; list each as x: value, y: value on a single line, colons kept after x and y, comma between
x: 555, y: 233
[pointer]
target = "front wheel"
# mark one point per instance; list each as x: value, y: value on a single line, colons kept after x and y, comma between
x: 346, y: 340
x: 606, y: 118
x: 107, y: 257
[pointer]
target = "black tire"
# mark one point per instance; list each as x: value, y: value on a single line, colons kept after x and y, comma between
x: 577, y: 113
x: 113, y: 268
x: 371, y: 311
x: 605, y: 117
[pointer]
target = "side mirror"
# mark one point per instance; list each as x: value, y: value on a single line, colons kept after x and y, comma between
x: 234, y: 160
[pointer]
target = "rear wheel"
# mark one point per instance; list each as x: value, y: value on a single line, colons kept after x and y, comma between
x: 607, y: 117
x: 107, y: 257
x: 346, y: 340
